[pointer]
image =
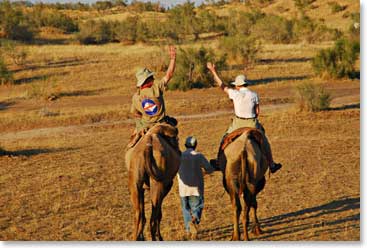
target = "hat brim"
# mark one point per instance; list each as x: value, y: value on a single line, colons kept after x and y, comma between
x: 239, y: 84
x: 141, y: 82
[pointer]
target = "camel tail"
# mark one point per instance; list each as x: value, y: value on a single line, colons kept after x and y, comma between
x: 149, y: 161
x: 244, y: 168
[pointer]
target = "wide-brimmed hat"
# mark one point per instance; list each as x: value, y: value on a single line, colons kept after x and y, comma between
x: 141, y: 75
x: 240, y: 80
x: 191, y: 141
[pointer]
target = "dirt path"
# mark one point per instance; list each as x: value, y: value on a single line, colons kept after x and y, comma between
x: 80, y: 129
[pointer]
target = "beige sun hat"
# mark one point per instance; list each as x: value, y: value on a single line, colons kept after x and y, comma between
x: 240, y: 80
x: 141, y: 75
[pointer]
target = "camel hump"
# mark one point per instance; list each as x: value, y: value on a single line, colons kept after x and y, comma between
x: 164, y: 129
x: 250, y: 132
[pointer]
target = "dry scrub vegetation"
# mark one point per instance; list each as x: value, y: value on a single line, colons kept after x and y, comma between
x: 62, y: 170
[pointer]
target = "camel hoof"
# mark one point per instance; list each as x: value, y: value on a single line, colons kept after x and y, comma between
x: 256, y: 230
x: 234, y: 239
x: 140, y: 238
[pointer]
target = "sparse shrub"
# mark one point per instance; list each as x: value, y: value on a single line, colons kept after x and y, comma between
x: 335, y: 7
x: 337, y: 62
x: 58, y: 20
x: 93, y: 32
x: 240, y: 48
x: 312, y: 97
x: 12, y: 50
x: 273, y: 28
x: 354, y: 28
x: 14, y: 24
x: 191, y: 71
x: 303, y: 4
x: 305, y: 29
x: 6, y: 76
x: 127, y: 30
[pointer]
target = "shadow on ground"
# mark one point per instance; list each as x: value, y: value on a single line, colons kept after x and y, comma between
x: 305, y: 224
x: 276, y: 79
x: 6, y: 104
x: 36, y: 78
x: 32, y: 152
x: 345, y: 107
x: 67, y: 62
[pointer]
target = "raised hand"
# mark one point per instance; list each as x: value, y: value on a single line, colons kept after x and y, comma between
x: 210, y: 66
x: 172, y: 52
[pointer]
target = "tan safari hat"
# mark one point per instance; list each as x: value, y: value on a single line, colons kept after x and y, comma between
x: 141, y: 75
x: 240, y: 80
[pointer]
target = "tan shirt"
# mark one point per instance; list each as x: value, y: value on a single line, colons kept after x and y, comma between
x: 149, y: 102
x: 190, y: 175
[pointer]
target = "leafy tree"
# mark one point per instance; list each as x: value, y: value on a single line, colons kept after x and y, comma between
x: 339, y: 61
x: 240, y: 48
x: 14, y: 24
x: 191, y: 71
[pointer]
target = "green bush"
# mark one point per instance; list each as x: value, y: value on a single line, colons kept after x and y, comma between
x: 95, y: 32
x: 13, y: 51
x: 305, y: 29
x: 191, y: 71
x: 312, y: 98
x: 6, y: 76
x: 273, y: 28
x: 241, y: 48
x: 41, y: 17
x: 335, y: 7
x: 303, y: 4
x: 339, y: 61
x: 14, y: 23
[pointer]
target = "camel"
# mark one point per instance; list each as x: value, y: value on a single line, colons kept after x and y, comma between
x: 152, y: 163
x: 244, y: 165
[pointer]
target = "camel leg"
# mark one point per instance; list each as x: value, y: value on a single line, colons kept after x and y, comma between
x: 256, y: 230
x: 137, y: 198
x: 167, y: 188
x: 236, y: 207
x: 157, y: 193
x: 245, y: 213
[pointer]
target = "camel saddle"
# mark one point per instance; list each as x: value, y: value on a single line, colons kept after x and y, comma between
x: 165, y: 130
x: 255, y: 133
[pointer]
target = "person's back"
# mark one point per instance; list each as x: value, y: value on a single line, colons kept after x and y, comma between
x: 190, y: 176
x: 191, y: 185
x: 244, y: 102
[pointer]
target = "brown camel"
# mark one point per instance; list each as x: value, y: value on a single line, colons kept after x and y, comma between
x: 244, y: 165
x: 152, y: 163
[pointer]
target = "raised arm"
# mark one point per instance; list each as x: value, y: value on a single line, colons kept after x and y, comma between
x: 172, y: 64
x: 211, y: 68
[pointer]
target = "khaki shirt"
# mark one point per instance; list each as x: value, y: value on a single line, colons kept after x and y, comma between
x: 149, y: 103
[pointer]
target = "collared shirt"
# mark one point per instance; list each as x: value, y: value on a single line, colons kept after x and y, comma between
x: 190, y: 176
x: 149, y: 102
x: 244, y: 101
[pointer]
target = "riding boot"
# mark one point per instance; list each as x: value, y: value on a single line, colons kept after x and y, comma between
x: 215, y: 162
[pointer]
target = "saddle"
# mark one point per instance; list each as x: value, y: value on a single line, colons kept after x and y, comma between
x: 253, y: 132
x: 165, y: 130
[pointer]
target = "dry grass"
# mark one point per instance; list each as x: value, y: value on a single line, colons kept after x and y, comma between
x: 65, y: 178
x: 70, y: 187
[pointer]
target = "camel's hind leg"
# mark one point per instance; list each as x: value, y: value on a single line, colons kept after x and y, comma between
x: 157, y: 192
x: 137, y: 198
x: 256, y: 230
x: 236, y: 208
x: 245, y: 214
